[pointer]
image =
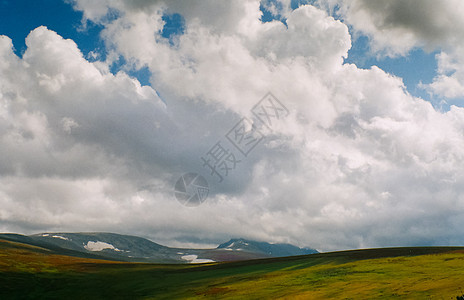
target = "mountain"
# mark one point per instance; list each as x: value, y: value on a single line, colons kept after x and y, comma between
x: 273, y: 250
x: 112, y: 246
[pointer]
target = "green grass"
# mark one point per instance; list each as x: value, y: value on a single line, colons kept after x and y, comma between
x: 402, y: 273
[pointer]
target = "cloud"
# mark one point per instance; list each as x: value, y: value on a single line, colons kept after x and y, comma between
x: 449, y: 83
x: 396, y: 27
x: 358, y: 162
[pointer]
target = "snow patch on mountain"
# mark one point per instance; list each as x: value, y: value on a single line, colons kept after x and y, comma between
x: 193, y: 259
x: 99, y: 246
x: 239, y: 242
x: 60, y: 237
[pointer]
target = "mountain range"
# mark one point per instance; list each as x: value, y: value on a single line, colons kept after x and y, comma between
x: 112, y: 246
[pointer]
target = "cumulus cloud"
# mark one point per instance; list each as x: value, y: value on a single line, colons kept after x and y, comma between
x: 449, y: 82
x: 358, y: 162
x: 396, y: 27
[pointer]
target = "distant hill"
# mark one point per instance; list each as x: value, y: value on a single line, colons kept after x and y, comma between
x: 111, y: 246
x: 273, y: 250
x: 136, y: 249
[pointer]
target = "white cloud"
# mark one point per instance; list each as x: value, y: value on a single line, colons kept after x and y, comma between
x: 68, y: 124
x: 357, y: 163
x: 396, y: 27
x: 449, y: 82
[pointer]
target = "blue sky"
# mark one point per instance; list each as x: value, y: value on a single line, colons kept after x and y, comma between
x: 418, y: 66
x: 19, y: 18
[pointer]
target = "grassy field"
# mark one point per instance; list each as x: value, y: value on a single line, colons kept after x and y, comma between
x: 28, y: 272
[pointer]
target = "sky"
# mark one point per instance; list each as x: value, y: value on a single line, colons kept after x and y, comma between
x: 331, y: 124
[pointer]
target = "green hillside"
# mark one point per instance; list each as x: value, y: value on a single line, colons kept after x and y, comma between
x: 33, y: 272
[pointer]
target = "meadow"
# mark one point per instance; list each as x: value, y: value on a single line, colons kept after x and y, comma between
x: 30, y: 272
